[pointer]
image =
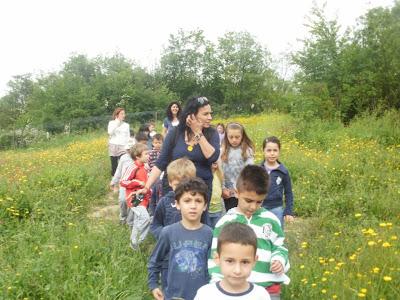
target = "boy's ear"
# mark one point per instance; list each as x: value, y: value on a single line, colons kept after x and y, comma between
x: 216, y: 258
x: 177, y: 205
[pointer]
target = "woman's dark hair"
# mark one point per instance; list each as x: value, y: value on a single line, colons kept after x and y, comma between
x: 192, y: 107
x: 169, y: 112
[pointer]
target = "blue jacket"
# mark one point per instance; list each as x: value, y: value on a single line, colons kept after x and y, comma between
x: 165, y: 214
x: 279, y: 184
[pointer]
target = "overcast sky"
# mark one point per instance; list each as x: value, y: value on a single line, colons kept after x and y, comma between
x: 38, y: 36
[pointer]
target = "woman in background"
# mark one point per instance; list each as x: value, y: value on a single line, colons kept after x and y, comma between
x: 119, y: 134
x: 173, y: 112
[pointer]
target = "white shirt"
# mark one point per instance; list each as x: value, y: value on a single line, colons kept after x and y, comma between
x: 118, y: 132
x: 215, y: 291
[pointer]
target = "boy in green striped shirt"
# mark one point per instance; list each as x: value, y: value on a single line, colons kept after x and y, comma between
x: 273, y: 262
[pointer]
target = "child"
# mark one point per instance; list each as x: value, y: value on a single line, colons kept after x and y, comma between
x: 217, y: 206
x: 237, y: 152
x: 166, y: 212
x: 252, y: 187
x: 152, y: 129
x: 236, y: 256
x: 142, y: 138
x: 221, y: 133
x: 280, y: 182
x: 157, y: 142
x: 134, y: 179
x: 124, y: 162
x: 186, y: 243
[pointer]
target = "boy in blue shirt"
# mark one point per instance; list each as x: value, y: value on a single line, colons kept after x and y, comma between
x: 166, y: 212
x: 186, y: 243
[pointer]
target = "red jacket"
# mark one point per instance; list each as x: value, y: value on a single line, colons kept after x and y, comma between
x: 134, y: 173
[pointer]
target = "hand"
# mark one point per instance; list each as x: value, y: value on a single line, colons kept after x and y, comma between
x: 226, y: 193
x: 289, y: 218
x: 142, y: 191
x: 194, y: 124
x: 276, y: 267
x: 157, y: 294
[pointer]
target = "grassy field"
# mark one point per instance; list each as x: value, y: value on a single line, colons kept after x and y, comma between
x: 343, y: 245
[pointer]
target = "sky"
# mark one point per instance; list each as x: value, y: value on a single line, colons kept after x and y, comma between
x: 38, y: 36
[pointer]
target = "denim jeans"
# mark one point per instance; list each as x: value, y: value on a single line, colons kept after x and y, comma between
x: 278, y: 211
x: 214, y: 218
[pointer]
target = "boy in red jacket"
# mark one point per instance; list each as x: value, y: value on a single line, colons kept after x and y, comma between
x: 134, y: 179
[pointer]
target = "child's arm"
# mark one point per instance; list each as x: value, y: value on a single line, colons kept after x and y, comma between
x: 118, y: 173
x: 155, y: 262
x: 279, y: 252
x: 287, y: 186
x: 158, y: 220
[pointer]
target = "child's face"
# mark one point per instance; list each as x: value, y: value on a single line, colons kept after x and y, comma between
x: 191, y: 206
x: 234, y: 137
x: 249, y: 202
x: 236, y: 262
x: 144, y: 157
x: 157, y: 144
x: 271, y: 152
x: 220, y: 129
x: 151, y: 127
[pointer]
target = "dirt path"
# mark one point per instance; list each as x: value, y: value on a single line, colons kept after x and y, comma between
x: 108, y: 211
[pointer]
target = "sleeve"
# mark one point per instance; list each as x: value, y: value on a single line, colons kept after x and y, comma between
x: 118, y: 173
x: 169, y: 143
x: 112, y: 125
x: 250, y: 158
x: 165, y: 123
x: 214, y: 141
x: 158, y: 224
x: 202, y: 293
x: 287, y: 185
x: 155, y: 261
x: 213, y: 269
x: 279, y: 252
x: 128, y: 182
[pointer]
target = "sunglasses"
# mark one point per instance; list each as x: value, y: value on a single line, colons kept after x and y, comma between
x: 202, y: 100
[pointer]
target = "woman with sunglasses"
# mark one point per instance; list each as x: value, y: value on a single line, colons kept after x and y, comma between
x: 194, y: 138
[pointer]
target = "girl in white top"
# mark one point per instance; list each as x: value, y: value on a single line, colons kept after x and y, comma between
x: 118, y: 132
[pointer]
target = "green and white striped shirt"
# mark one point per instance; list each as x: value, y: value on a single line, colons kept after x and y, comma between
x: 270, y: 247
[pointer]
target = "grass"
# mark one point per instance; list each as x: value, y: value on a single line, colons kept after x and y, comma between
x: 343, y: 245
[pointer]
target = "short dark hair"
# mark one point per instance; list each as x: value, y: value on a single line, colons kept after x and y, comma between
x: 141, y: 136
x: 192, y: 185
x: 158, y: 137
x: 237, y: 233
x: 272, y: 139
x: 253, y: 178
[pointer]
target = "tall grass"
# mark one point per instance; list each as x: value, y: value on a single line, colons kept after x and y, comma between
x: 344, y: 244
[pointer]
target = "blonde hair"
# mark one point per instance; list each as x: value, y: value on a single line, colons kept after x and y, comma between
x: 137, y: 150
x: 181, y: 168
